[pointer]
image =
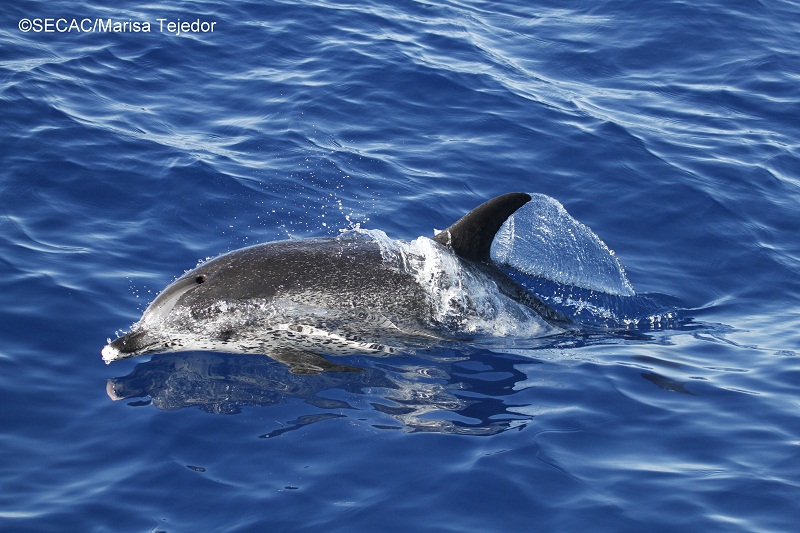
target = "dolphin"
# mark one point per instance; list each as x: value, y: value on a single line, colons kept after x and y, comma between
x: 358, y: 293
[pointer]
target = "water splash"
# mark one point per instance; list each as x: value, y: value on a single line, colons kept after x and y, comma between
x: 563, y: 262
x: 462, y: 299
x: 541, y: 239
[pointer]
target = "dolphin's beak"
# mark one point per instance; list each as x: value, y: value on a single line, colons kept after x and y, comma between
x: 131, y: 344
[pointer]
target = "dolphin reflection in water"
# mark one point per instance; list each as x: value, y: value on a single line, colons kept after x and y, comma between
x: 449, y: 395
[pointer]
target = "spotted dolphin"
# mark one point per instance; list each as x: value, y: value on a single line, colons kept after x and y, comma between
x: 358, y: 293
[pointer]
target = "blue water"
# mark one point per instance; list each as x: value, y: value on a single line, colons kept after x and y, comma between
x: 668, y: 128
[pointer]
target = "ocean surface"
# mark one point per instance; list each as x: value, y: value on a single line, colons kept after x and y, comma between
x: 665, y: 131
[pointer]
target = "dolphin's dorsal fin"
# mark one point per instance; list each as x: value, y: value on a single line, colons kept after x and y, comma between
x: 471, y: 237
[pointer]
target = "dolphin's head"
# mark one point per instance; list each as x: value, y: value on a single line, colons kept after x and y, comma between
x: 148, y: 335
x: 185, y: 314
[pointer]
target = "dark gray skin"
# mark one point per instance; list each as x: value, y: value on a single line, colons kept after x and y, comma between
x: 367, y: 300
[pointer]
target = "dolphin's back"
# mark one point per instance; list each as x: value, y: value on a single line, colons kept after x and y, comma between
x: 327, y: 273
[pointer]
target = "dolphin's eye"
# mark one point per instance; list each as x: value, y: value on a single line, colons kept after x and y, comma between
x: 200, y: 279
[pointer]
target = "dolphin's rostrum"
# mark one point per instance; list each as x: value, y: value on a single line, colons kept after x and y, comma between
x: 358, y: 293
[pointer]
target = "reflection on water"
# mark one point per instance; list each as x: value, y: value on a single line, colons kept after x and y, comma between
x: 467, y: 393
x: 463, y: 395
